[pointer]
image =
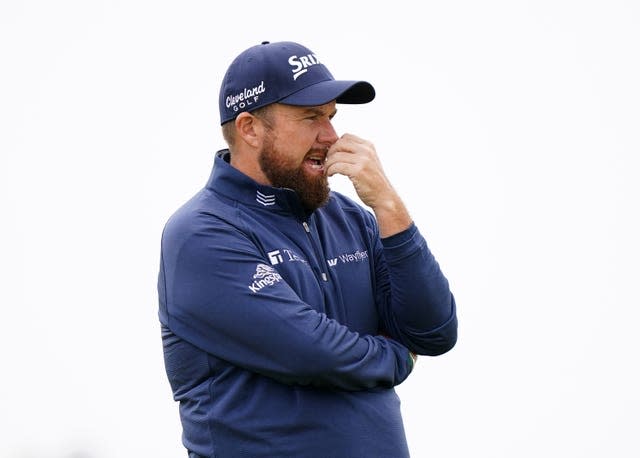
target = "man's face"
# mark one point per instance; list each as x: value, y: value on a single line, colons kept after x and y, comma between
x: 294, y: 150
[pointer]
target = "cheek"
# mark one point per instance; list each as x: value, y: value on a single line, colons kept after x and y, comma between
x: 286, y: 154
x: 300, y: 136
x: 305, y: 140
x: 295, y: 145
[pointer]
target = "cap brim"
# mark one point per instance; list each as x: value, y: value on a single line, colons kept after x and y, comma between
x: 326, y: 91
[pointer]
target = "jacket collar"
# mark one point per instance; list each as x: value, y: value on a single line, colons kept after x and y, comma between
x: 235, y: 185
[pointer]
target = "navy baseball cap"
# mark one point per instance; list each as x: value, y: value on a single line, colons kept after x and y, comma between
x: 283, y: 72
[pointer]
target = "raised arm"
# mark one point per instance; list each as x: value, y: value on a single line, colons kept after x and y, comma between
x: 413, y: 296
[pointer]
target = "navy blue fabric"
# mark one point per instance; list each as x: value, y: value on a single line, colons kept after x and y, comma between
x: 284, y: 72
x: 285, y: 332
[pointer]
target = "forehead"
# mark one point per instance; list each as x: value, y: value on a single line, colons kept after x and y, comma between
x: 327, y: 109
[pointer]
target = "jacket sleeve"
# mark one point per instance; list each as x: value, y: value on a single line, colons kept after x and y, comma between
x: 219, y: 293
x: 414, y: 300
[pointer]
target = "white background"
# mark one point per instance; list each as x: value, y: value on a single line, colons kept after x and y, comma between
x: 509, y: 127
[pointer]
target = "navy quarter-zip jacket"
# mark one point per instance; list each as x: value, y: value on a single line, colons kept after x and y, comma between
x: 285, y: 332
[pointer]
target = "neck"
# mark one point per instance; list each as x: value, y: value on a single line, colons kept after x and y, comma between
x: 247, y: 163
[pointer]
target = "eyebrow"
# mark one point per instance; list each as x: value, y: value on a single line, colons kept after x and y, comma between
x: 319, y: 111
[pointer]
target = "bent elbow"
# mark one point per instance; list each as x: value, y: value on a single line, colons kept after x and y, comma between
x: 438, y: 341
x: 442, y: 343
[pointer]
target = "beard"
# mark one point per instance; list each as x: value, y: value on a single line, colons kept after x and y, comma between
x: 313, y: 191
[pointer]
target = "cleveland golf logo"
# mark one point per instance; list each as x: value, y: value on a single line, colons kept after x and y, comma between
x: 247, y: 97
x: 301, y: 64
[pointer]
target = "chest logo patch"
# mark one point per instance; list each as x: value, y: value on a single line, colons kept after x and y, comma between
x: 265, y: 199
x: 265, y: 276
x: 346, y: 258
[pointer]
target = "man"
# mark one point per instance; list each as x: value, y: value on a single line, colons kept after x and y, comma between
x: 288, y: 311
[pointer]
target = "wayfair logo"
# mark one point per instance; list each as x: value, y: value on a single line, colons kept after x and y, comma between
x: 345, y: 258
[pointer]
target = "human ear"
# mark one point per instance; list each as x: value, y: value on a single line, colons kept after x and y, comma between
x: 248, y: 129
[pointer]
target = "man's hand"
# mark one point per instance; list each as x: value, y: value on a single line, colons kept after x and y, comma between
x: 357, y: 159
x: 414, y: 360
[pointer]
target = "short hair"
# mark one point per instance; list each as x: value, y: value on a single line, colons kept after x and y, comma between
x: 229, y: 127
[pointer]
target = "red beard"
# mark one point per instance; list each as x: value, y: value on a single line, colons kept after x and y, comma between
x: 313, y: 191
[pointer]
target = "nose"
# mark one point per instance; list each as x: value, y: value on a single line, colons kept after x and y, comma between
x: 327, y: 135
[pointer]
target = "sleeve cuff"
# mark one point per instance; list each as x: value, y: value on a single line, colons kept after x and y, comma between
x: 400, y: 238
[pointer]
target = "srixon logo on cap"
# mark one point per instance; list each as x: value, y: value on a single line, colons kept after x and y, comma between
x: 300, y: 64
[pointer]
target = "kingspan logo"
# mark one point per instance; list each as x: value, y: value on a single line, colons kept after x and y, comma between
x: 265, y: 276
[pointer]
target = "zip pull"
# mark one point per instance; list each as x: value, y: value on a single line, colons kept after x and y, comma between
x: 307, y: 229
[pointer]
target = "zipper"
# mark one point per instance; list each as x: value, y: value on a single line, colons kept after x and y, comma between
x: 320, y: 259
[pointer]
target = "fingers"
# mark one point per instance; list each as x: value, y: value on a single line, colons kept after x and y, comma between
x: 347, y: 169
x: 357, y: 159
x: 351, y: 143
x: 349, y: 156
x: 342, y: 162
